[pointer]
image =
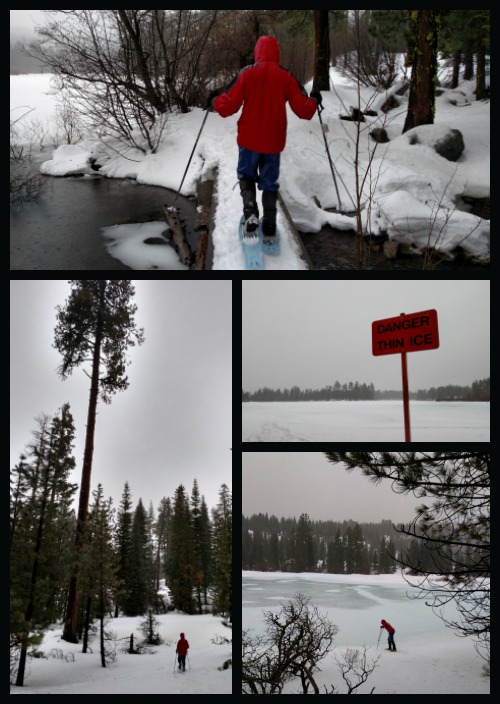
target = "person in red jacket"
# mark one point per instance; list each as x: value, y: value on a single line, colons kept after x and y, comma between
x: 181, y: 650
x: 263, y: 89
x: 390, y: 630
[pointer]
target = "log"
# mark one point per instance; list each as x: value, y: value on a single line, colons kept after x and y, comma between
x: 201, y: 255
x: 179, y: 239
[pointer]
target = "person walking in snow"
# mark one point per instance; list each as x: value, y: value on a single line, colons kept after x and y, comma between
x: 263, y: 88
x: 391, y: 631
x: 181, y: 650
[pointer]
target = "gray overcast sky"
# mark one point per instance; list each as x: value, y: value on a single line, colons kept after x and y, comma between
x: 172, y: 424
x: 26, y: 20
x: 288, y: 484
x: 313, y: 333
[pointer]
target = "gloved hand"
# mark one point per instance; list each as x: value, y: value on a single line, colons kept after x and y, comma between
x: 317, y: 96
x: 213, y: 94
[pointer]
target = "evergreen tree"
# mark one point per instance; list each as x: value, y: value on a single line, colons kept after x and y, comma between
x: 336, y: 555
x: 246, y: 550
x: 123, y: 542
x: 304, y: 545
x: 162, y: 528
x: 349, y: 551
x: 274, y: 552
x: 223, y: 564
x: 139, y: 580
x: 205, y: 549
x: 384, y: 559
x: 96, y: 324
x: 201, y: 545
x: 98, y: 569
x: 39, y: 516
x: 180, y: 568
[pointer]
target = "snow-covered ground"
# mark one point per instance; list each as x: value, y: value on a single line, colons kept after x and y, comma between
x: 430, y: 658
x: 135, y: 674
x: 340, y: 421
x: 414, y: 191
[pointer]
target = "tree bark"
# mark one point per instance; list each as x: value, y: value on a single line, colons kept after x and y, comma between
x: 421, y: 102
x: 70, y: 626
x: 321, y: 51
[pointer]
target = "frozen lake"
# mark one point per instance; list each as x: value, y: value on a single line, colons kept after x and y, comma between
x: 356, y: 603
x: 430, y: 658
x: 366, y: 421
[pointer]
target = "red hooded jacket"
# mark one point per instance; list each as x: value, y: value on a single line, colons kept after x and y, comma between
x: 387, y: 626
x: 182, y: 646
x: 263, y: 89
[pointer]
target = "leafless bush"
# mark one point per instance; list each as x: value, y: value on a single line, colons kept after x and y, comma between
x: 297, y: 638
x: 25, y: 181
x: 68, y: 121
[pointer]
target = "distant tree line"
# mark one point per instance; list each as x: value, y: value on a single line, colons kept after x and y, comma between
x: 354, y: 391
x: 270, y: 544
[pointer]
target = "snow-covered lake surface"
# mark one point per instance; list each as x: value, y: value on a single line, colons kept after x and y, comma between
x: 364, y: 421
x: 430, y: 658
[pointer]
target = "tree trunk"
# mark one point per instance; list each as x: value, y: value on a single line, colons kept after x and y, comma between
x: 321, y: 51
x: 480, y: 69
x: 70, y: 625
x: 421, y: 102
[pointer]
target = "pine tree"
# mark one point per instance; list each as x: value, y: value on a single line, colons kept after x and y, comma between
x: 336, y: 555
x: 139, y: 580
x: 98, y: 568
x: 304, y: 545
x: 40, y: 513
x: 223, y: 565
x: 123, y: 544
x: 197, y: 538
x: 180, y: 556
x: 205, y: 549
x: 162, y: 529
x: 96, y: 324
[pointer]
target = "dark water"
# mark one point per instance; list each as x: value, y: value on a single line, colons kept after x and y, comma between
x: 332, y: 249
x: 61, y: 228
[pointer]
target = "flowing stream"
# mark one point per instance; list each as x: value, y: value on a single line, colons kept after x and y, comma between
x: 61, y: 228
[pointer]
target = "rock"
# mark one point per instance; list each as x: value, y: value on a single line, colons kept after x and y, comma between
x: 378, y: 134
x: 390, y: 249
x: 447, y: 142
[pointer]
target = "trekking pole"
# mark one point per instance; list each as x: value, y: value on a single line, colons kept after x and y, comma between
x: 320, y: 110
x: 189, y: 162
x: 189, y: 664
x: 175, y: 658
x: 379, y: 634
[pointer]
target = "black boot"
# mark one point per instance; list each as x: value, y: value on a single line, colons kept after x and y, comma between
x: 269, y: 199
x: 250, y: 208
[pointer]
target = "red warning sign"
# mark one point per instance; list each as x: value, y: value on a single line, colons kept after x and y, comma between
x: 406, y: 333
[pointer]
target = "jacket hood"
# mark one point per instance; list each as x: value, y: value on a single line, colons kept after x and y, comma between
x: 384, y: 622
x: 182, y: 635
x: 267, y: 49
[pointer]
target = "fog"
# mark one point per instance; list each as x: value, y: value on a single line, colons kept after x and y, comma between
x: 313, y: 333
x: 288, y: 484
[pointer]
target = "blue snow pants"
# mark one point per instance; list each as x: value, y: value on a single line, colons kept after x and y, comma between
x: 264, y: 169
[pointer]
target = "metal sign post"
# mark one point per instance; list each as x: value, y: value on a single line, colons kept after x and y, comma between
x: 402, y: 334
